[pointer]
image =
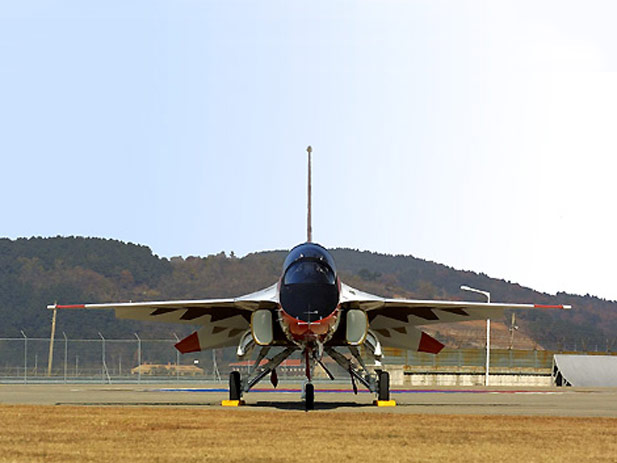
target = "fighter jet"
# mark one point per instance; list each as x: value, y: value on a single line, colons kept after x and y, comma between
x: 311, y: 311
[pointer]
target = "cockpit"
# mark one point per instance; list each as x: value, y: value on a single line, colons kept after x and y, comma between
x: 309, y: 252
x: 309, y: 271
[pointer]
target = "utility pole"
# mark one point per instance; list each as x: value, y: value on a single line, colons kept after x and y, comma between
x: 51, y: 343
x: 309, y: 229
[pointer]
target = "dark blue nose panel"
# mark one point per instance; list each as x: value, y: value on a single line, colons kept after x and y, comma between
x: 309, y: 301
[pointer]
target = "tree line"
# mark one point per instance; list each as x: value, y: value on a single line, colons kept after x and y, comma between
x: 35, y: 272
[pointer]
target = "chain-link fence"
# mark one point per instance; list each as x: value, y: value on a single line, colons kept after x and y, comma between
x: 25, y: 359
x: 28, y: 360
x: 448, y: 358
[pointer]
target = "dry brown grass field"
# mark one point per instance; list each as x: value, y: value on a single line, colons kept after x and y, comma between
x: 168, y: 434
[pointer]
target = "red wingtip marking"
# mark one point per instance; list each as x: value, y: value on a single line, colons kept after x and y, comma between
x: 543, y: 306
x: 73, y: 306
x: 429, y: 344
x: 189, y: 344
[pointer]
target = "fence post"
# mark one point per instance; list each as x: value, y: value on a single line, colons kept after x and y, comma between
x: 215, y: 367
x: 102, y: 357
x: 177, y: 359
x: 138, y: 358
x: 66, y: 350
x: 25, y: 356
x: 105, y: 371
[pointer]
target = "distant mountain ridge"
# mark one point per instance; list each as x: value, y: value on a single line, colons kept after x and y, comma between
x: 37, y: 271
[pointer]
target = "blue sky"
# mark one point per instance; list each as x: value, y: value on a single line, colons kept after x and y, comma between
x: 478, y: 134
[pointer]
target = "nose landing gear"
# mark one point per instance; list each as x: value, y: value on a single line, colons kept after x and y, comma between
x: 309, y: 396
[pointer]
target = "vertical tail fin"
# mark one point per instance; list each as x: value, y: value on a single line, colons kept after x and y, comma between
x: 309, y: 228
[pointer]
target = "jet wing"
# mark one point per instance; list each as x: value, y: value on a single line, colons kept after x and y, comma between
x: 394, y: 320
x: 222, y: 321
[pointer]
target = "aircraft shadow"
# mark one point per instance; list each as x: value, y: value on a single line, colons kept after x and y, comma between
x: 299, y: 405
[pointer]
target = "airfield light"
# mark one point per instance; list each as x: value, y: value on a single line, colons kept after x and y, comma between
x: 488, y: 328
x: 479, y: 291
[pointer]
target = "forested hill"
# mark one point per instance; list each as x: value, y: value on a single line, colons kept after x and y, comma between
x: 38, y: 271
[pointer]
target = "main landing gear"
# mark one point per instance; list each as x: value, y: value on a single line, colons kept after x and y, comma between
x: 383, y: 386
x: 235, y: 386
x: 238, y: 386
x: 375, y: 380
x: 235, y: 391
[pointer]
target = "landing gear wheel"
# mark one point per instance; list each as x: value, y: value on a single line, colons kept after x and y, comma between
x: 309, y: 396
x: 235, y: 387
x: 383, y: 386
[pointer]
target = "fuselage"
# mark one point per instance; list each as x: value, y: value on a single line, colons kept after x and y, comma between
x: 309, y: 293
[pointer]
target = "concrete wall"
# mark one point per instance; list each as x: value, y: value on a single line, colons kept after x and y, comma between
x: 445, y: 379
x: 401, y: 376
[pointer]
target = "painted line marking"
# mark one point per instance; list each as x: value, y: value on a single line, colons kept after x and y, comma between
x: 347, y: 391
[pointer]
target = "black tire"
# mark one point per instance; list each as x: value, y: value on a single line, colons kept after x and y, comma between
x: 235, y: 387
x: 309, y: 396
x: 383, y: 385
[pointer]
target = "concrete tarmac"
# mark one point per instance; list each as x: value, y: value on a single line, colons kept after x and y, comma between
x: 572, y: 402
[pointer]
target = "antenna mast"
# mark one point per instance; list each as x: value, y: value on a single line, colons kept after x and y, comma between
x: 309, y: 228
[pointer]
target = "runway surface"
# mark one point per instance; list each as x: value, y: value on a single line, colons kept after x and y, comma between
x: 572, y: 402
